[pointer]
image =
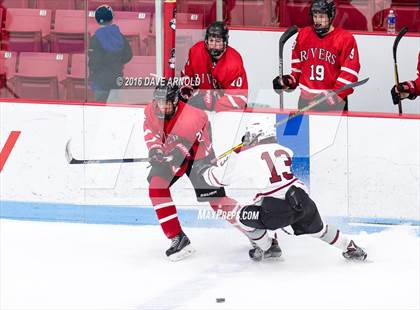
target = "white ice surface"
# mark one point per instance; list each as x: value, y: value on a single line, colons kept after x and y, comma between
x: 84, y: 266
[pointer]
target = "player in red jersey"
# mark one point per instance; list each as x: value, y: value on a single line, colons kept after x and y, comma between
x: 324, y: 58
x: 408, y: 89
x: 178, y: 139
x: 217, y: 71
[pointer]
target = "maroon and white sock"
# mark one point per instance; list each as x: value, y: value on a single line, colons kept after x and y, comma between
x: 332, y: 235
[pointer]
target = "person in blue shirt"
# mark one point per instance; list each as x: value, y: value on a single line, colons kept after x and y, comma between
x: 108, y: 51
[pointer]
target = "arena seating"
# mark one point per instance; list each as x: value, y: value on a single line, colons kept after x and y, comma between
x: 55, y: 4
x: 76, y: 80
x: 38, y: 75
x: 8, y: 62
x: 28, y: 29
x: 69, y: 32
x: 16, y: 4
x: 117, y: 5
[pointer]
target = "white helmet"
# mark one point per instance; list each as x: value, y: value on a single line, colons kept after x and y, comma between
x: 259, y: 128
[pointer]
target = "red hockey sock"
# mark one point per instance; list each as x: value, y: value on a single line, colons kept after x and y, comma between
x: 165, y: 209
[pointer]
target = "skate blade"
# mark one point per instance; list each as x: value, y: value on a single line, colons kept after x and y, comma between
x: 367, y: 260
x: 184, y: 253
x: 274, y: 258
x: 269, y: 258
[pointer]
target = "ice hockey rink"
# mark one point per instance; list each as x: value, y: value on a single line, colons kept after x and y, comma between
x: 58, y: 249
x: 86, y: 237
x: 47, y: 265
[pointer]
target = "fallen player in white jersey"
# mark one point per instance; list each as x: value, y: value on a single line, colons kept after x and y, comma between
x: 281, y: 199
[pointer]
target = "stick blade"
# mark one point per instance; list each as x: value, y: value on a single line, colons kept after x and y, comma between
x: 69, y: 156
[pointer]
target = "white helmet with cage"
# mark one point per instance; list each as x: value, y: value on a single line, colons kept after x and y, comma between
x: 259, y: 128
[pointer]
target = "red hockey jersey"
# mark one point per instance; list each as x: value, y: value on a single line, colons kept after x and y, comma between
x: 418, y: 77
x: 227, y: 74
x: 189, y: 125
x: 324, y: 63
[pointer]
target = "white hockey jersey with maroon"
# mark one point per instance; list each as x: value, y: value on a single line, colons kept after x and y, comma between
x: 325, y: 63
x: 262, y: 170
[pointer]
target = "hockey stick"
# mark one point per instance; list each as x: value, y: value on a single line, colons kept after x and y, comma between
x: 394, y: 52
x: 72, y: 160
x: 313, y: 104
x: 282, y: 41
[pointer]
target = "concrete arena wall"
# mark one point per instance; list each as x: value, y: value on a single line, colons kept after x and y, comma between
x: 359, y: 166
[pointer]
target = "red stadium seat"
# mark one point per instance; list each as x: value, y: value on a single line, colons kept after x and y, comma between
x: 297, y: 13
x: 24, y: 4
x: 143, y: 6
x: 56, y: 4
x: 150, y: 40
x: 203, y: 7
x: 75, y: 84
x: 69, y: 32
x: 140, y: 66
x: 407, y: 16
x: 189, y: 21
x: 27, y: 29
x: 411, y: 3
x: 39, y: 75
x: 136, y: 27
x: 117, y: 5
x: 189, y: 31
x: 351, y: 17
x: 7, y: 69
x: 248, y: 13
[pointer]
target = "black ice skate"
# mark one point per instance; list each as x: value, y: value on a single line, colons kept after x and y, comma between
x: 258, y: 254
x: 180, y: 247
x: 354, y: 253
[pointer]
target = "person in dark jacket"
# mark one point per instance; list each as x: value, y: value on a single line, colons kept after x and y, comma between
x: 108, y: 51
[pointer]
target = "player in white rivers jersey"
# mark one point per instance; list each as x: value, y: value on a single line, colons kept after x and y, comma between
x: 280, y: 198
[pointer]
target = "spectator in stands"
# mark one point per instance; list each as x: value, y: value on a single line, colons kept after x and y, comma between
x: 108, y: 51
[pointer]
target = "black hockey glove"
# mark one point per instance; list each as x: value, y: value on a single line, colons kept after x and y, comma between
x: 286, y: 83
x: 178, y: 155
x: 204, y: 99
x: 156, y: 156
x: 185, y: 92
x: 403, y: 91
